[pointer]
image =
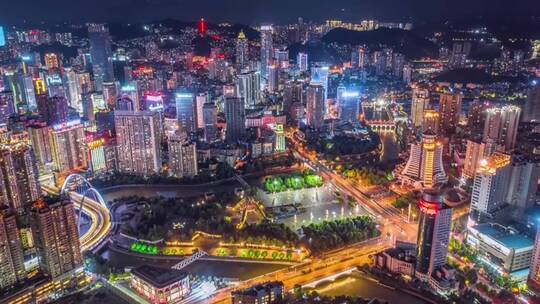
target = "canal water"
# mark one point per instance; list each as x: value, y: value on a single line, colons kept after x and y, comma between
x: 357, y: 286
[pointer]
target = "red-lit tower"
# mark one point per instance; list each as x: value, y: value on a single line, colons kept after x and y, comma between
x: 203, y: 27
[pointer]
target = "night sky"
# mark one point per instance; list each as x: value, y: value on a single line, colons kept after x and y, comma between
x: 255, y: 11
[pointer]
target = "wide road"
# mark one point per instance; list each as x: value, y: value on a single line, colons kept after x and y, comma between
x: 99, y: 215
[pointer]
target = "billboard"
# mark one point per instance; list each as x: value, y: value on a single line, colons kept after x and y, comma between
x: 2, y: 37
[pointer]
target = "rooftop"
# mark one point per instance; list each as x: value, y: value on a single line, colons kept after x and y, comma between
x: 506, y: 236
x: 157, y: 276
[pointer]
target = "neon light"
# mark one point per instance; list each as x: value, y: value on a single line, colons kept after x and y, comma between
x: 129, y: 88
x: 67, y: 124
x: 350, y: 94
x: 184, y: 95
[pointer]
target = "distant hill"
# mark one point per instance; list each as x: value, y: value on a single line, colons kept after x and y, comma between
x: 406, y: 42
x: 234, y: 30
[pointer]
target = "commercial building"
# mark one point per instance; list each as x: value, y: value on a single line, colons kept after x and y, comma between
x: 504, y: 249
x: 242, y: 50
x: 425, y: 166
x: 349, y: 105
x: 267, y: 48
x: 101, y: 54
x: 210, y: 122
x: 235, y: 117
x: 160, y: 285
x: 185, y: 111
x: 420, y: 102
x: 430, y: 121
x: 315, y: 106
x: 248, y: 87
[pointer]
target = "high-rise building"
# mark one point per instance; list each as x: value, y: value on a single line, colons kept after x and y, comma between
x: 425, y: 165
x: 51, y: 61
x: 302, y: 61
x: 476, y: 151
x: 531, y: 110
x: 236, y: 118
x: 430, y: 122
x: 101, y: 54
x: 349, y: 105
x: 56, y: 234
x: 41, y: 143
x: 182, y: 156
x: 450, y: 111
x: 185, y: 111
x: 200, y: 101
x: 12, y: 268
x: 273, y: 78
x: 490, y: 185
x: 248, y: 87
x: 433, y: 233
x: 138, y: 142
x: 267, y: 48
x: 523, y: 182
x: 69, y: 150
x: 534, y: 270
x: 501, y: 125
x: 315, y: 105
x: 242, y: 50
x: 319, y: 75
x: 53, y: 110
x: 420, y: 101
x: 210, y: 122
x: 19, y: 183
x: 477, y: 115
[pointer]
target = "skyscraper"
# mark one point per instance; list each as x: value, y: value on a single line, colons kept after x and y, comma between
x: 185, y: 111
x: 138, y: 142
x: 182, y: 156
x: 53, y: 110
x: 319, y: 75
x: 420, y: 101
x: 531, y: 110
x: 56, y: 234
x: 315, y: 105
x: 425, y: 165
x: 273, y: 78
x: 430, y: 121
x: 69, y: 149
x: 302, y: 61
x: 19, y: 183
x: 210, y: 122
x: 235, y: 117
x: 349, y: 105
x: 267, y: 48
x: 450, y: 111
x: 476, y: 151
x: 248, y: 87
x: 501, y: 126
x: 200, y: 100
x: 242, y: 49
x: 433, y: 233
x: 101, y: 54
x: 41, y: 143
x: 11, y: 253
x: 523, y: 182
x: 490, y: 185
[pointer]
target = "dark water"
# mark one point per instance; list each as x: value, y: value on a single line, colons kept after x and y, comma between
x: 390, y: 146
x: 364, y: 288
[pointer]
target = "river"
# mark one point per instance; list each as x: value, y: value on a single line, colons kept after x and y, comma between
x: 361, y: 287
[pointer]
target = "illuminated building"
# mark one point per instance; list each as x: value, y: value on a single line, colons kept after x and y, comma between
x: 302, y: 61
x: 363, y: 57
x: 110, y: 91
x: 266, y: 293
x: 273, y: 78
x: 68, y: 144
x: 279, y: 143
x: 51, y: 61
x: 450, y: 110
x: 433, y: 233
x: 430, y: 122
x: 182, y: 156
x: 523, y: 182
x: 185, y: 111
x: 267, y: 48
x: 70, y: 81
x: 57, y: 236
x: 315, y: 105
x: 202, y: 26
x: 242, y: 50
x: 200, y: 101
x: 210, y: 121
x: 349, y: 105
x: 236, y: 118
x: 11, y: 253
x: 248, y: 87
x: 97, y: 161
x: 282, y: 59
x: 420, y: 101
x: 398, y: 63
x: 160, y: 285
x: 131, y: 90
x: 407, y: 73
x: 319, y: 75
x: 476, y: 151
x: 293, y: 92
x: 125, y: 103
x: 2, y: 37
x: 531, y: 109
x: 154, y: 102
x: 476, y: 115
x: 19, y: 183
x: 506, y: 249
x: 7, y: 106
x: 101, y: 54
x: 425, y: 165
x: 490, y: 185
x: 501, y: 125
x: 138, y: 142
x: 534, y: 270
x: 55, y: 87
x: 41, y: 143
x: 53, y: 110
x: 29, y: 89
